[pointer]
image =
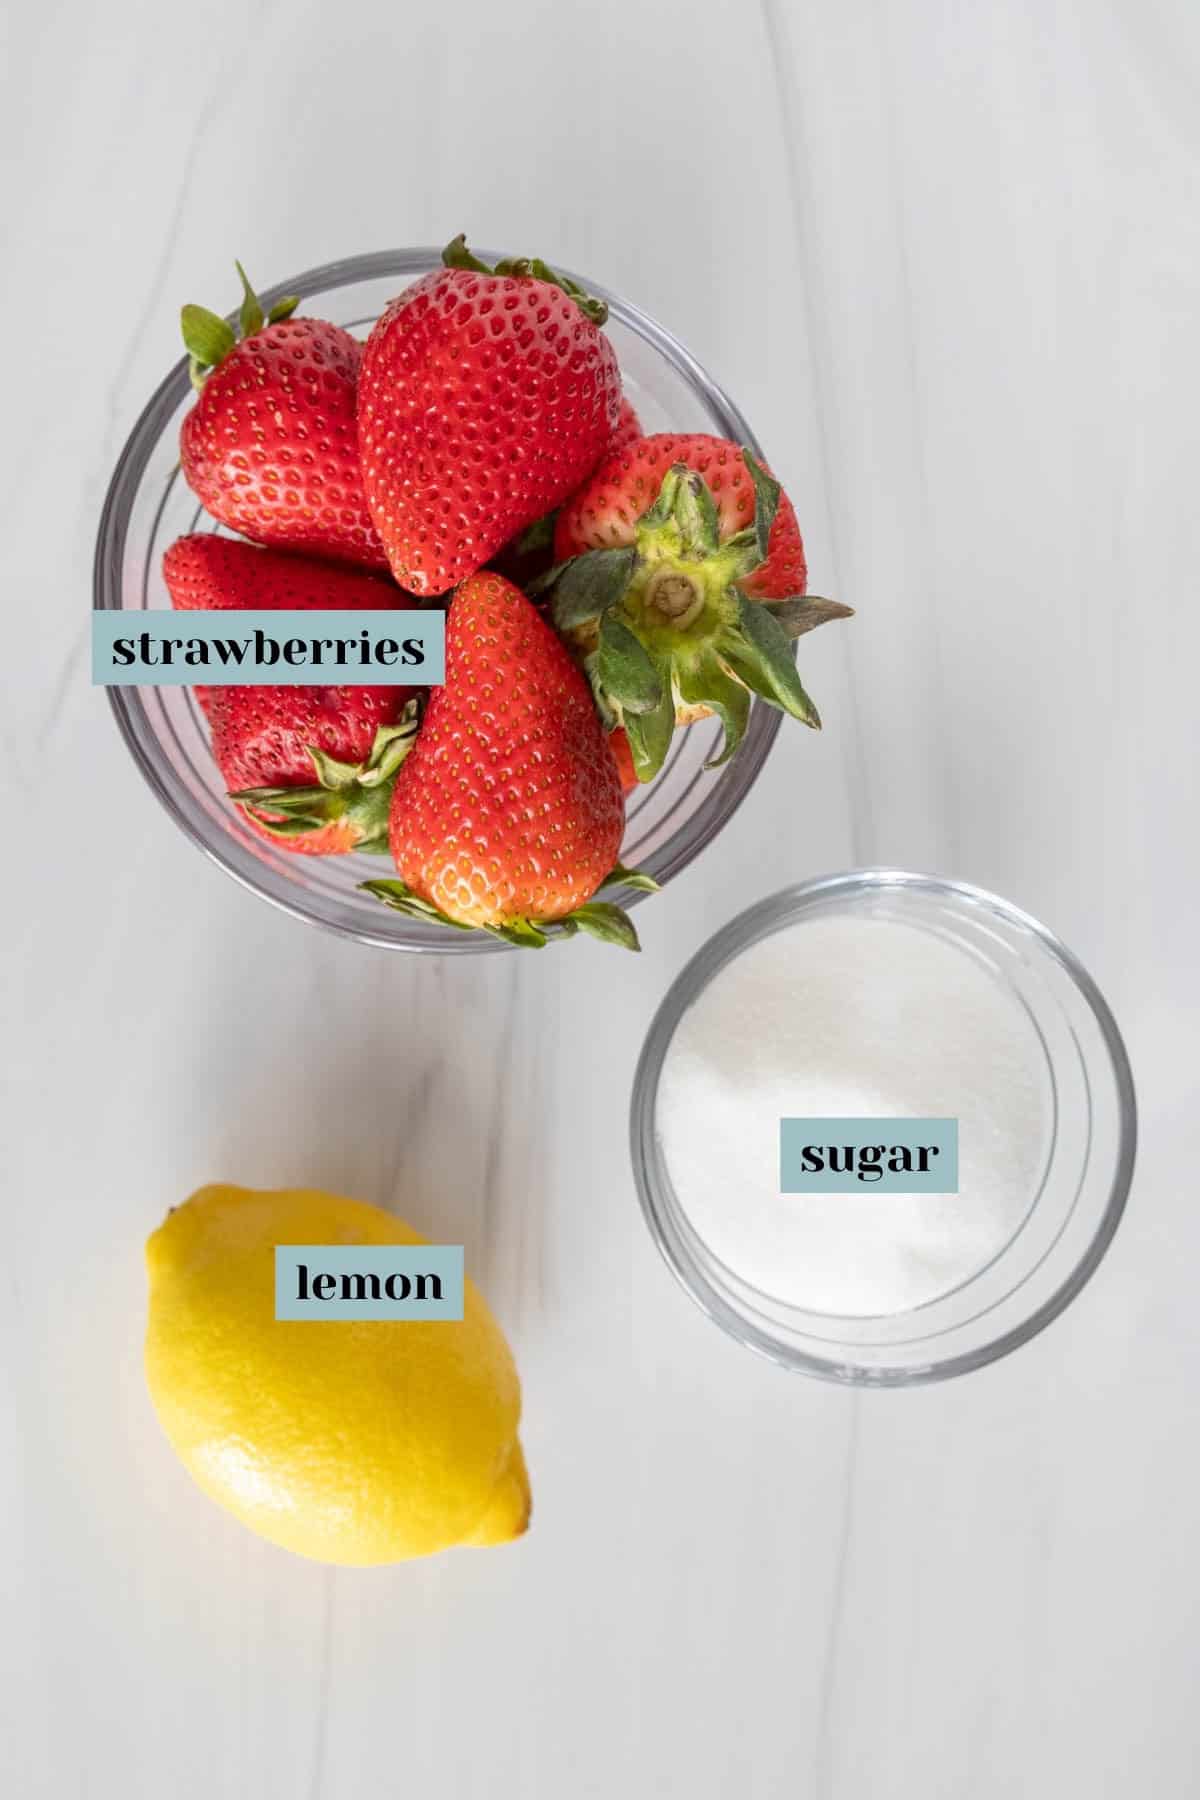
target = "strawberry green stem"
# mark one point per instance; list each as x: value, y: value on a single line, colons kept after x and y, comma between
x: 673, y: 625
x: 457, y: 256
x: 359, y: 793
x: 208, y: 338
x: 597, y: 918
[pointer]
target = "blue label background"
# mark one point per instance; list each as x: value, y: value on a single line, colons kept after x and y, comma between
x: 941, y: 1178
x: 442, y: 1260
x: 429, y: 627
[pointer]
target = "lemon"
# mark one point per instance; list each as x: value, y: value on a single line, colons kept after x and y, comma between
x: 346, y: 1441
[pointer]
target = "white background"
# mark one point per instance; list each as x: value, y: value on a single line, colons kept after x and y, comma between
x: 947, y: 258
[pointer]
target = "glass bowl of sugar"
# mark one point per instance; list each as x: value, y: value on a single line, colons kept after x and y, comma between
x: 870, y: 1011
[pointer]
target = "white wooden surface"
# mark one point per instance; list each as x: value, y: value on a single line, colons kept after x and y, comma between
x: 948, y: 259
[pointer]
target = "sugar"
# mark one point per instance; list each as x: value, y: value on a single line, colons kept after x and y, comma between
x: 853, y: 1016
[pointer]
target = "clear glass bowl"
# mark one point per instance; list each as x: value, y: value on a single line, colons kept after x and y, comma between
x: 149, y: 506
x: 1070, y: 1218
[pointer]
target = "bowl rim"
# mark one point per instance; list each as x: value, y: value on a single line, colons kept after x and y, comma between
x: 761, y: 920
x: 112, y: 532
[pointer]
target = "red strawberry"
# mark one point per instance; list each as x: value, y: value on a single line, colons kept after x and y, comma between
x: 206, y: 573
x: 681, y: 581
x: 508, y: 814
x: 606, y: 509
x: 485, y: 397
x: 618, y: 743
x: 270, y: 741
x: 271, y: 446
x: 530, y: 555
x: 629, y: 429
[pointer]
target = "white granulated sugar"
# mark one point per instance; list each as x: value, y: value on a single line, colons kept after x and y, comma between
x: 855, y: 1016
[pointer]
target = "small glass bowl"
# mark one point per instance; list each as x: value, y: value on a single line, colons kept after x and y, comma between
x: 149, y: 505
x: 1070, y: 1219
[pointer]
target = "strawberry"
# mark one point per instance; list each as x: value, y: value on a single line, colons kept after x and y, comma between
x: 508, y: 814
x: 206, y: 573
x: 485, y: 397
x: 605, y: 511
x: 618, y: 743
x: 681, y: 582
x: 271, y: 446
x: 530, y: 554
x: 629, y: 429
x: 269, y: 741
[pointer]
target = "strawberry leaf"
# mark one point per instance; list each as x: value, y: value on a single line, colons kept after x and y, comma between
x: 208, y: 338
x: 390, y: 746
x: 298, y: 802
x: 250, y: 318
x: 661, y: 510
x: 548, y: 578
x: 591, y: 668
x: 737, y: 557
x: 649, y: 736
x: 804, y: 612
x: 706, y: 683
x: 331, y: 773
x: 288, y: 828
x: 400, y: 897
x: 276, y: 799
x: 620, y: 876
x: 538, y: 536
x: 587, y: 585
x: 525, y: 934
x: 591, y: 308
x: 283, y: 309
x: 766, y: 502
x: 601, y: 919
x: 627, y: 673
x: 696, y: 515
x: 457, y: 256
x: 759, y: 652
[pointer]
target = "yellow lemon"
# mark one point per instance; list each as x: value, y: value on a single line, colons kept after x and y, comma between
x: 347, y: 1441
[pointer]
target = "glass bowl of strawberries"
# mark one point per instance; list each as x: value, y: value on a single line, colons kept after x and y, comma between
x: 624, y: 583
